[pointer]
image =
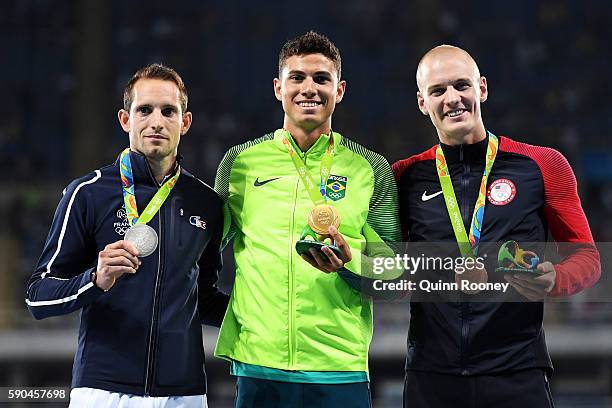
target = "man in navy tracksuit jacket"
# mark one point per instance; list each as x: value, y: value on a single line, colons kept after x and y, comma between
x: 472, y: 354
x: 140, y: 337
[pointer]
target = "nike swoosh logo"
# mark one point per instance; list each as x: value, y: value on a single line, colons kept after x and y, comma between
x: 426, y: 197
x: 258, y: 183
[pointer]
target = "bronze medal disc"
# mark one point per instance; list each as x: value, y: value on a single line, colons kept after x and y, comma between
x: 322, y: 217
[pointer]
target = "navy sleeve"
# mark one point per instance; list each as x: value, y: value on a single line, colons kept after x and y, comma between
x: 212, y: 303
x: 61, y: 282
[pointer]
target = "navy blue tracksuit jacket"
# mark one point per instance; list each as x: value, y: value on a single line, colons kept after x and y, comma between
x: 144, y: 335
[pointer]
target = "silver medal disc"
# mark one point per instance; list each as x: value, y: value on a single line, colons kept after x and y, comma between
x: 143, y: 237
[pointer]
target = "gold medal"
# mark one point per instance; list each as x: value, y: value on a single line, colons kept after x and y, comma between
x: 322, y: 217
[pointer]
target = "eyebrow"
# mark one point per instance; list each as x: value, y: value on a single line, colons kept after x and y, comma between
x: 454, y: 81
x: 297, y: 71
x: 148, y: 105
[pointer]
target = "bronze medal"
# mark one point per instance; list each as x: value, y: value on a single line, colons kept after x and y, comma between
x: 473, y: 275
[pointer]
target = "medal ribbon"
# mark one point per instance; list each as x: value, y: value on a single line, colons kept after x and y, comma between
x: 468, y: 246
x: 129, y: 197
x: 318, y: 196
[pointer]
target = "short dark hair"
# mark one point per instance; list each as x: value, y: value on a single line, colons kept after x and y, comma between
x: 155, y: 71
x: 309, y: 43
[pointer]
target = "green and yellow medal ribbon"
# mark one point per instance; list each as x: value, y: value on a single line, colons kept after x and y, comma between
x: 468, y: 246
x: 317, y: 193
x: 129, y: 196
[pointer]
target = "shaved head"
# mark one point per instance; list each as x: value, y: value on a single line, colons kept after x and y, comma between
x: 433, y: 56
x: 451, y: 90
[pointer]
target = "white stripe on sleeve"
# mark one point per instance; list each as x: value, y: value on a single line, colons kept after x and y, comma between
x: 65, y: 223
x: 59, y: 301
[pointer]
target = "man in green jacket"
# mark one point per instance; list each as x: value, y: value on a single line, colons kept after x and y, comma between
x: 293, y: 333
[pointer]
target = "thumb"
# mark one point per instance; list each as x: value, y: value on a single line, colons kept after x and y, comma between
x: 341, y: 244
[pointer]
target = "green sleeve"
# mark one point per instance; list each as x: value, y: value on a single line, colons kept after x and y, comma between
x: 222, y: 181
x: 382, y: 230
x: 222, y: 184
x: 383, y: 216
x: 383, y: 213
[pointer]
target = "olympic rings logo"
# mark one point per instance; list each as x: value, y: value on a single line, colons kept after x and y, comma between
x: 121, y: 230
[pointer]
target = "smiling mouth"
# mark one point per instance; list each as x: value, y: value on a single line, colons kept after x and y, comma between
x: 309, y: 104
x: 455, y: 113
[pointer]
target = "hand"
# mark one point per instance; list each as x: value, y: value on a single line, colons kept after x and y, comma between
x: 332, y: 263
x: 113, y: 261
x: 534, y: 288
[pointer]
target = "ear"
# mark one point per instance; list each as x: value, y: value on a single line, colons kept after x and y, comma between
x: 277, y: 89
x: 124, y: 119
x: 186, y: 123
x: 484, y: 89
x: 340, y: 91
x: 421, y: 103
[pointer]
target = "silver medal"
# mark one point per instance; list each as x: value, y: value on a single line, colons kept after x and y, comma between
x: 143, y: 237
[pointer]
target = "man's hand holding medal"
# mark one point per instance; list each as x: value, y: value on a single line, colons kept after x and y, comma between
x: 114, y: 260
x: 534, y: 287
x: 524, y: 272
x: 324, y: 258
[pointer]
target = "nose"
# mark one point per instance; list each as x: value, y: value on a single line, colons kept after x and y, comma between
x: 156, y: 119
x: 452, y: 96
x: 309, y: 87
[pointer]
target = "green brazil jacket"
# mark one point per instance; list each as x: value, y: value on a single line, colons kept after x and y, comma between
x: 284, y: 313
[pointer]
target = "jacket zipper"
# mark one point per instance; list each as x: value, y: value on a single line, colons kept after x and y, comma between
x: 465, y: 310
x: 291, y: 328
x: 153, y: 329
x: 465, y: 173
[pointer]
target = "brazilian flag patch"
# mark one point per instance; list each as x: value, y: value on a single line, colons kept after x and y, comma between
x: 336, y: 187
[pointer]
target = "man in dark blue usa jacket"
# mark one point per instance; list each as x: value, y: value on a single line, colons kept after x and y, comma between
x: 479, y: 354
x: 140, y: 337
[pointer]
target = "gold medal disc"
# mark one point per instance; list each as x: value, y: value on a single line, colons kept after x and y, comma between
x: 322, y: 217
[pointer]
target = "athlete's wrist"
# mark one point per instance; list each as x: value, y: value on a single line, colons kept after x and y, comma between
x: 94, y: 280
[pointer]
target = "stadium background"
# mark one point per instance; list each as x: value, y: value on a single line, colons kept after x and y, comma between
x: 65, y: 63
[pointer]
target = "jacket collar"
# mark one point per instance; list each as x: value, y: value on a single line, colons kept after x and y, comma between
x: 316, y: 150
x: 143, y: 175
x: 466, y: 153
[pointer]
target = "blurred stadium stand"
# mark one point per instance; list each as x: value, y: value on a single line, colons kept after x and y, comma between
x: 548, y: 65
